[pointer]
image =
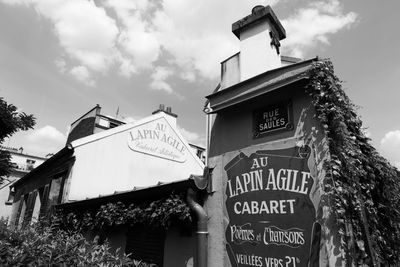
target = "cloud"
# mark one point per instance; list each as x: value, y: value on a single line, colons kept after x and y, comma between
x: 159, y: 77
x: 129, y: 119
x: 81, y: 73
x: 60, y: 64
x: 192, y: 137
x: 390, y: 147
x: 366, y: 132
x: 85, y: 32
x: 190, y: 37
x: 45, y: 140
x: 313, y: 25
x: 137, y: 38
x: 197, y: 35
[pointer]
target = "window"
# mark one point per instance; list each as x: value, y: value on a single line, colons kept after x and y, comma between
x: 44, y: 200
x: 146, y: 244
x: 30, y: 164
x: 36, y: 208
x: 20, y: 211
x: 25, y: 209
x: 104, y: 123
x: 30, y: 204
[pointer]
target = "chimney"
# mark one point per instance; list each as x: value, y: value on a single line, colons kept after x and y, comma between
x: 171, y: 116
x: 259, y: 34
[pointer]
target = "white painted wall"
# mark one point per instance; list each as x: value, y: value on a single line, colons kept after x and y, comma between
x: 256, y: 53
x: 16, y: 174
x: 21, y: 161
x: 230, y: 71
x: 105, y: 162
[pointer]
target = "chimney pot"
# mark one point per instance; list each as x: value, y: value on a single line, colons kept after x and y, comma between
x: 257, y: 8
x: 167, y: 110
x: 259, y: 34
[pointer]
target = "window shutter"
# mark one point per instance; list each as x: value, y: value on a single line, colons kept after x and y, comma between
x: 44, y: 201
x: 21, y: 203
x: 29, y: 208
x: 146, y: 244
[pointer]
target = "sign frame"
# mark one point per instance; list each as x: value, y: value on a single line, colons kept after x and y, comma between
x: 285, y: 107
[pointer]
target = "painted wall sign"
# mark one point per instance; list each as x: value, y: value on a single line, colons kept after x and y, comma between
x: 272, y: 118
x: 157, y: 138
x: 271, y: 216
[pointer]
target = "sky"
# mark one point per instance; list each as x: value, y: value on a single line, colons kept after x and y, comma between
x: 59, y: 58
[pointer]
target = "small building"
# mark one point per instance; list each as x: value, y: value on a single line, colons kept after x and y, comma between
x: 271, y: 145
x: 107, y: 162
x: 24, y: 163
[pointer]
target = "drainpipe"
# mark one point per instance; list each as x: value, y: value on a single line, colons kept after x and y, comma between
x: 208, y: 127
x: 202, y: 231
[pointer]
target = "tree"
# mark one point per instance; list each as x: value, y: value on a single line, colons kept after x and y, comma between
x: 11, y: 121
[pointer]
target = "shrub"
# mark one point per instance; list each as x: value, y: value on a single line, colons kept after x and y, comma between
x: 38, y: 245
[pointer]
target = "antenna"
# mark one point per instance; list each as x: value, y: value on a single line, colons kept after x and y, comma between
x: 116, y: 114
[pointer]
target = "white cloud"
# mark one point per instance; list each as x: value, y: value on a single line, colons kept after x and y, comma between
x: 137, y: 39
x: 159, y: 77
x: 188, y: 76
x: 390, y: 147
x: 126, y: 68
x: 60, y: 64
x: 16, y: 2
x: 366, y: 132
x: 313, y: 25
x: 81, y: 73
x: 189, y: 36
x: 45, y: 140
x: 128, y: 119
x: 84, y: 30
x: 192, y: 137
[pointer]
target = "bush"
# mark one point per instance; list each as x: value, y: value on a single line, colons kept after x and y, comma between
x: 44, y: 246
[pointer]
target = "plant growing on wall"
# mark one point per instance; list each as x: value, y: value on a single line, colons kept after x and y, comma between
x: 158, y: 214
x: 363, y: 186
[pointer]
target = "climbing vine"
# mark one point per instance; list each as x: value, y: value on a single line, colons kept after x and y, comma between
x: 363, y: 186
x: 158, y: 214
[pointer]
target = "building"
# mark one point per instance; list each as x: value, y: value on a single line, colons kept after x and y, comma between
x: 260, y: 199
x: 24, y: 163
x: 268, y: 152
x: 108, y: 161
x: 94, y: 122
x: 90, y: 123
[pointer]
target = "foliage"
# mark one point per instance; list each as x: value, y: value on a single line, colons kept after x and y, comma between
x: 11, y: 121
x: 364, y: 187
x: 160, y: 213
x: 44, y: 246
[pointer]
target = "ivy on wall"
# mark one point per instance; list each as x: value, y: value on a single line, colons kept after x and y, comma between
x: 363, y: 186
x: 161, y: 213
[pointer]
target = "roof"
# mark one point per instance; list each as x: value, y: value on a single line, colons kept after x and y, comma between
x: 121, y: 128
x: 64, y: 152
x: 15, y: 151
x: 259, y: 85
x: 137, y: 194
x: 290, y: 59
x: 94, y: 108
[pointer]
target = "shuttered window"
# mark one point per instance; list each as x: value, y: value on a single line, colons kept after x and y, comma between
x: 146, y: 244
x: 30, y: 204
x: 21, y: 204
x: 44, y: 192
